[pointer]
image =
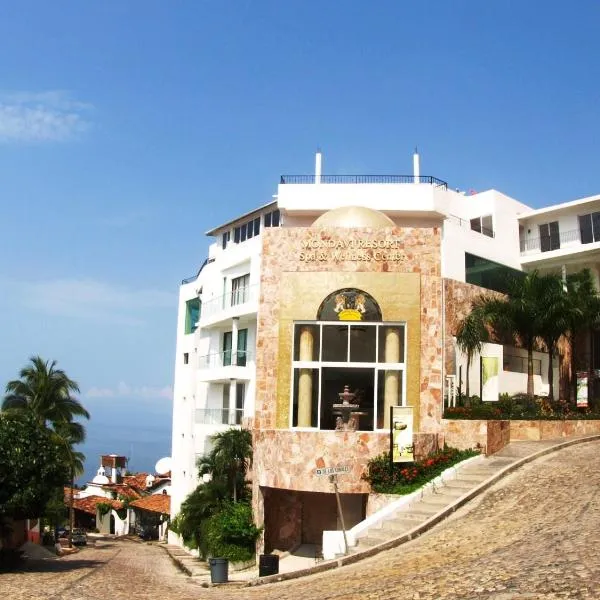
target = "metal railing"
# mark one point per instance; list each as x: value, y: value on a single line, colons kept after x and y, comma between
x: 467, y: 225
x: 237, y: 297
x: 194, y: 277
x: 219, y: 416
x: 301, y: 179
x: 227, y: 358
x: 548, y: 243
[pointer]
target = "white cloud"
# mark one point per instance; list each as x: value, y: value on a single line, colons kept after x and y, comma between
x: 41, y: 116
x: 92, y: 299
x: 124, y: 390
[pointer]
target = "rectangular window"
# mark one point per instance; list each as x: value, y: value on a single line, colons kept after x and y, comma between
x: 192, y: 315
x: 243, y: 232
x: 225, y: 404
x: 236, y: 235
x: 272, y: 219
x: 518, y: 364
x: 240, y: 290
x: 242, y: 347
x: 240, y: 395
x: 186, y: 358
x: 589, y: 228
x: 257, y: 226
x: 225, y: 239
x: 484, y: 225
x: 268, y: 220
x: 489, y: 274
x: 250, y: 230
x: 227, y: 339
x: 549, y: 236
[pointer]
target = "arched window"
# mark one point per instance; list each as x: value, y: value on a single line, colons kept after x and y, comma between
x: 347, y: 346
x: 349, y: 304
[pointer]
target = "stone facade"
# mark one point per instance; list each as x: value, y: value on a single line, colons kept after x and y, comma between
x: 549, y: 430
x: 490, y: 436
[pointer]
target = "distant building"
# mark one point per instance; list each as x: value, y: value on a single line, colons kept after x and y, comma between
x: 356, y: 281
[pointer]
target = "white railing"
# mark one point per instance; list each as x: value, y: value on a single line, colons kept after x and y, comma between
x: 238, y: 297
x: 551, y: 242
x: 219, y: 416
x: 227, y: 358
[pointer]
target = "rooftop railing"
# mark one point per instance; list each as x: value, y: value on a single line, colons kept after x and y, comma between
x: 301, y: 179
x: 194, y: 277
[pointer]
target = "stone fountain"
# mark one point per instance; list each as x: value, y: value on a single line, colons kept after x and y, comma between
x: 348, y: 415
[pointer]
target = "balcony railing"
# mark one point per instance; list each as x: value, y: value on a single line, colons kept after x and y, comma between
x: 547, y: 243
x: 428, y: 179
x: 194, y: 277
x: 225, y: 359
x: 238, y: 297
x: 219, y: 416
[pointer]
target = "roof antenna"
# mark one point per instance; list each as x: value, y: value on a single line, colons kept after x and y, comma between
x: 318, y: 165
x: 416, y: 167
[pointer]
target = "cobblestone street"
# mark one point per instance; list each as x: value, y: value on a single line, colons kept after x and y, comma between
x: 534, y: 535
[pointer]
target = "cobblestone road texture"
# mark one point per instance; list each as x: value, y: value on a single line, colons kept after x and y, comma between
x: 535, y: 535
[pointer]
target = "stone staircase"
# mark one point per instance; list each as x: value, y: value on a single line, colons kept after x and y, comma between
x: 436, y: 500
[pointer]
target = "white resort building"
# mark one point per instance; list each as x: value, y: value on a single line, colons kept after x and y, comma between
x: 357, y: 283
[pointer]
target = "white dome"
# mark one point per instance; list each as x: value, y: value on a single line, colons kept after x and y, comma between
x: 101, y: 479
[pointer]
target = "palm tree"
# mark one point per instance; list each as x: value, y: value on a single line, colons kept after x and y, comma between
x: 470, y: 337
x: 230, y: 458
x: 46, y: 392
x: 584, y: 313
x: 521, y: 314
x: 554, y: 319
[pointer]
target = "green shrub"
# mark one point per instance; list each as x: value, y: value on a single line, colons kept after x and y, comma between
x: 231, y: 533
x: 404, y: 478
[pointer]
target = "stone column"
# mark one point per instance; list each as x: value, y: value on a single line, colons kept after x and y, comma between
x: 305, y: 379
x: 392, y: 378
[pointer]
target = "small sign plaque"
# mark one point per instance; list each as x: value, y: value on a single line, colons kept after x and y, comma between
x: 331, y: 470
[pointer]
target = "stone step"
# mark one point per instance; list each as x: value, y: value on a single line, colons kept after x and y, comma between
x: 439, y: 500
x: 458, y: 484
x: 477, y: 476
x: 408, y: 515
x: 370, y: 541
x: 399, y: 525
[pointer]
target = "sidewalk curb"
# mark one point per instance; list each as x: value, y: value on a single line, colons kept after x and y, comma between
x: 426, y: 525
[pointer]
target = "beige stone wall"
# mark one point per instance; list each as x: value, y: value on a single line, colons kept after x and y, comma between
x: 490, y: 436
x: 548, y: 430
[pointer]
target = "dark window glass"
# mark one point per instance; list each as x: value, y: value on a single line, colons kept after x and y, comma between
x: 225, y: 240
x: 335, y: 343
x: 257, y: 226
x: 186, y: 358
x: 549, y: 236
x: 250, y: 230
x: 275, y: 220
x: 227, y: 348
x: 596, y: 226
x: 362, y: 343
x: 306, y: 335
x: 489, y: 274
x: 268, y: 220
x: 585, y: 229
x: 476, y: 224
x: 243, y: 233
x: 236, y: 235
x: 242, y: 347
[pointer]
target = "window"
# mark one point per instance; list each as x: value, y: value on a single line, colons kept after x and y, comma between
x: 549, y: 236
x: 238, y: 410
x: 589, y: 228
x: 186, y: 358
x: 192, y: 315
x: 489, y: 274
x: 484, y: 225
x: 272, y: 218
x: 240, y: 289
x: 257, y: 226
x: 242, y: 348
x: 518, y: 364
x: 247, y: 230
x: 368, y: 357
x: 225, y: 239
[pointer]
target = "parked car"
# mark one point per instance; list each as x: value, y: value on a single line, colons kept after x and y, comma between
x: 79, y: 537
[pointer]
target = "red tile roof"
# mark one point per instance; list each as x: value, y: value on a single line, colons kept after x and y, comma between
x: 159, y: 503
x: 138, y: 480
x: 90, y: 503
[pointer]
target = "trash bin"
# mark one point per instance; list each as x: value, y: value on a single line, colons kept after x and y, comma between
x: 219, y: 570
x: 268, y: 564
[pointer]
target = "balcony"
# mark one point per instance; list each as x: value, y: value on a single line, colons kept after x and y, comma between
x: 219, y: 416
x: 237, y: 303
x: 562, y: 245
x: 218, y: 367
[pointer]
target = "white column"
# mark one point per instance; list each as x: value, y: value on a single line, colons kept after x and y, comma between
x: 318, y: 166
x: 416, y: 166
x: 234, y: 340
x: 232, y: 403
x: 563, y: 271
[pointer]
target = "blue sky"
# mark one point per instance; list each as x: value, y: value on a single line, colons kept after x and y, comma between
x: 128, y: 128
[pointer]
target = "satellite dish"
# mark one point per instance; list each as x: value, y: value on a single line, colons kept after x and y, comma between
x: 163, y: 466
